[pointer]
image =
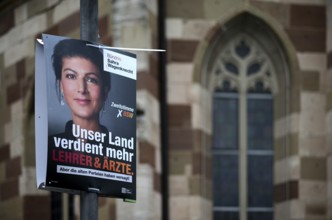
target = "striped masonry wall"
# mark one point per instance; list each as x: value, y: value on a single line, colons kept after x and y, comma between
x: 24, y: 22
x: 300, y: 151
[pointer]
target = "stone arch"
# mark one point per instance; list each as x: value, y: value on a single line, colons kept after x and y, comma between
x: 250, y: 17
x: 268, y: 32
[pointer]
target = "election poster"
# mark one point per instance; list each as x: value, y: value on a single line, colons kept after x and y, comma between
x: 85, y: 105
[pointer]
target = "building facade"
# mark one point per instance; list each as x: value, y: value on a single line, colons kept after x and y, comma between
x: 245, y: 131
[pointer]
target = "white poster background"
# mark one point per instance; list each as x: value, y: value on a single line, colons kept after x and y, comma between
x: 40, y: 115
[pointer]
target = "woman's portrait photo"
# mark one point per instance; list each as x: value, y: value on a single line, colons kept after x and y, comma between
x: 81, y: 83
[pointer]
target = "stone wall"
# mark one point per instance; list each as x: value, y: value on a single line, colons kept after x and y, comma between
x: 301, y: 129
x: 328, y: 116
x: 302, y: 173
x: 23, y: 22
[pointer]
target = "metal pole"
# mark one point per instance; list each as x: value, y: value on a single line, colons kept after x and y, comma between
x: 89, y: 205
x: 89, y: 20
x: 89, y: 32
x: 163, y: 110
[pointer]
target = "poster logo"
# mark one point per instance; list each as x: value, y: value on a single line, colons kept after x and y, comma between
x: 120, y: 64
x: 126, y: 191
x: 123, y: 111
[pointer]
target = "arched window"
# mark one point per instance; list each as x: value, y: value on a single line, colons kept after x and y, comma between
x: 244, y: 81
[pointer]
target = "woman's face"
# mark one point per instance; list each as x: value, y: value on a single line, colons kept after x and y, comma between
x: 82, y: 87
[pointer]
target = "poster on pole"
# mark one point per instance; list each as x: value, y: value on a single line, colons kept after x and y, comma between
x: 85, y: 106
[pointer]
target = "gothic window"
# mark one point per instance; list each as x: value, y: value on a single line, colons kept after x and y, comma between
x: 244, y: 83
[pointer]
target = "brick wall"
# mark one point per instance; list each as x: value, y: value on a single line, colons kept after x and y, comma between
x: 300, y: 116
x: 302, y: 131
x: 304, y: 160
x: 328, y: 117
x: 22, y: 22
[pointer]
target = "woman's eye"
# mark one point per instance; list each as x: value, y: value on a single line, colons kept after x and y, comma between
x: 70, y: 76
x: 92, y: 80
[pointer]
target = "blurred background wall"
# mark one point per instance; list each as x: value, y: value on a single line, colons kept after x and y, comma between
x: 245, y: 131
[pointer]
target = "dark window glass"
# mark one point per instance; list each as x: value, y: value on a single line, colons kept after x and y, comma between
x: 226, y: 88
x: 242, y: 50
x: 260, y: 156
x: 254, y: 68
x: 259, y: 88
x: 260, y: 121
x: 232, y: 68
x: 260, y: 183
x: 260, y: 215
x: 226, y: 156
x: 222, y: 215
x: 225, y: 125
x: 225, y: 180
